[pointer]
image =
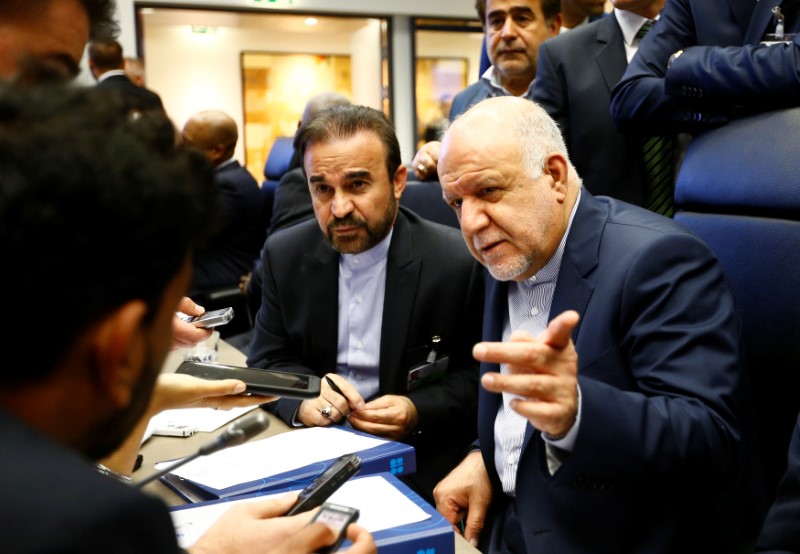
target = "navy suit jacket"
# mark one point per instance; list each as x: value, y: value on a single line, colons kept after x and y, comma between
x: 575, y: 75
x: 53, y: 500
x: 781, y: 531
x: 234, y: 248
x: 139, y: 97
x: 658, y: 463
x: 722, y: 73
x: 468, y: 97
x: 433, y: 287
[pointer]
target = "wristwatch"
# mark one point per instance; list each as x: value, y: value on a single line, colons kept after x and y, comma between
x: 673, y: 57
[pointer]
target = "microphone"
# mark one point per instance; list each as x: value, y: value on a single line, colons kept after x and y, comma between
x: 235, y: 434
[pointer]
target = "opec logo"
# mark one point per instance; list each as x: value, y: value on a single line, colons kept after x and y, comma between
x: 426, y: 551
x: 396, y: 467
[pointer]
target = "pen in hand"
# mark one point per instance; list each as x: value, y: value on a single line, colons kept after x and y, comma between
x: 335, y: 387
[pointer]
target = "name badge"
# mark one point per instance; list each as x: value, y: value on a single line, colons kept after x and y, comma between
x: 427, y: 372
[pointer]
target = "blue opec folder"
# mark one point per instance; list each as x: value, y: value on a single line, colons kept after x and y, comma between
x: 393, y: 457
x: 434, y: 535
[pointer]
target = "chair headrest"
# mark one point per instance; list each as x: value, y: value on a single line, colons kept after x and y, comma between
x: 280, y: 155
x: 750, y: 164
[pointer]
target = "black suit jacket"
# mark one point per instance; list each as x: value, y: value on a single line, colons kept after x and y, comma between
x: 433, y: 287
x: 292, y: 201
x: 53, y: 500
x: 575, y: 75
x: 233, y: 249
x: 140, y: 97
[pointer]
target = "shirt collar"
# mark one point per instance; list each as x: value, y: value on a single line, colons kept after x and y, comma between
x: 497, y: 89
x: 629, y: 23
x: 109, y: 74
x: 370, y: 257
x: 227, y: 162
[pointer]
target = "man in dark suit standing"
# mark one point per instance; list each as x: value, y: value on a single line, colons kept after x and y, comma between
x: 610, y: 417
x: 514, y: 31
x: 108, y: 67
x: 233, y: 248
x: 708, y: 61
x: 381, y: 301
x: 574, y: 78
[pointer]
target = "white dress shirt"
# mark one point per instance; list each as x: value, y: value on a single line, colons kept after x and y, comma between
x: 529, y: 305
x: 362, y: 287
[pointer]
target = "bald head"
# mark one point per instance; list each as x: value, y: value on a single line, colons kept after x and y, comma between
x: 321, y: 102
x: 531, y: 131
x: 214, y: 133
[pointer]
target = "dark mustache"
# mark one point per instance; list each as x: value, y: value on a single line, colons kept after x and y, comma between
x: 347, y: 221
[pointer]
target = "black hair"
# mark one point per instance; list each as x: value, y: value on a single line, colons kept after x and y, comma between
x: 550, y: 8
x: 96, y: 209
x: 343, y: 122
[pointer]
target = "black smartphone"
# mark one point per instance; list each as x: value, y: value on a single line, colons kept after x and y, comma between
x: 337, y: 518
x: 321, y: 488
x: 264, y: 382
x: 210, y: 319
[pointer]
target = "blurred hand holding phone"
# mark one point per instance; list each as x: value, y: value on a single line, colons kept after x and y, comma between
x: 210, y: 319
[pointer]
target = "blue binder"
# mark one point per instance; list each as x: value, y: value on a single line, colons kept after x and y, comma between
x: 393, y: 457
x: 433, y: 535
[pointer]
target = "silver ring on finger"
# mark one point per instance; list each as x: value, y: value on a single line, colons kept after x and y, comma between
x: 327, y: 411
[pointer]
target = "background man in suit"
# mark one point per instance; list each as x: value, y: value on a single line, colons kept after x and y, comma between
x: 610, y: 415
x: 574, y: 78
x: 74, y: 163
x: 704, y: 64
x: 367, y: 294
x: 514, y: 31
x: 233, y: 248
x: 108, y: 67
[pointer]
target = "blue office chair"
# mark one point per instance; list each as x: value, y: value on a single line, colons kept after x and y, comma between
x: 425, y: 199
x: 278, y: 162
x: 739, y: 189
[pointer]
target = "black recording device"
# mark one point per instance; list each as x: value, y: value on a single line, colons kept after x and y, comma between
x: 264, y: 382
x: 319, y: 490
x: 208, y: 320
x: 337, y: 518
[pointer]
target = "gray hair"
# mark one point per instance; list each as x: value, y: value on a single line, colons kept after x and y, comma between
x: 539, y: 136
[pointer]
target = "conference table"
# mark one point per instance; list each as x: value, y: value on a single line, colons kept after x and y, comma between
x: 157, y: 448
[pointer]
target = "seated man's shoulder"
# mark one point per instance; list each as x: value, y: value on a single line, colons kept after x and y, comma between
x: 289, y: 239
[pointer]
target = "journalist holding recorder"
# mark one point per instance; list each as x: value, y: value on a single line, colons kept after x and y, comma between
x: 78, y: 173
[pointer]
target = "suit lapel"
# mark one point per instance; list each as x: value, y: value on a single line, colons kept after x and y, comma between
x: 761, y: 21
x: 402, y: 278
x: 611, y: 56
x: 322, y: 274
x: 573, y: 292
x: 494, y: 313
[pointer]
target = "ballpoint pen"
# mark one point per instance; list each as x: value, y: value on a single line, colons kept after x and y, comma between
x: 335, y: 387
